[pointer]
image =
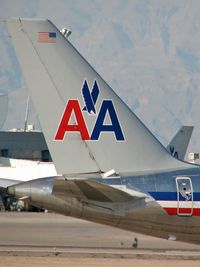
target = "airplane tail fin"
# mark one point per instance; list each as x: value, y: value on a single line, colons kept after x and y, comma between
x: 179, y: 144
x: 88, y: 128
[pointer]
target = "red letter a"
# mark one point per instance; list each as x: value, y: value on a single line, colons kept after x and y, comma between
x: 72, y: 105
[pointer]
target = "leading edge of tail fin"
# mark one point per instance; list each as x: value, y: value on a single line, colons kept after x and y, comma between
x: 88, y: 128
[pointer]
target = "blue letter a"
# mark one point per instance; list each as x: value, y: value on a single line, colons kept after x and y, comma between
x: 107, y: 106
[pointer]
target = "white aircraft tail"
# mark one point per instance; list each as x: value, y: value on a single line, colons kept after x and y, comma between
x: 87, y: 126
x: 179, y: 144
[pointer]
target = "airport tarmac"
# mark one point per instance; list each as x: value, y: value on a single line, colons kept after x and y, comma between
x: 47, y: 239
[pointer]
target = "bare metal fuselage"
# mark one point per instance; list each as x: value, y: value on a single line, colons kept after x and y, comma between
x: 145, y: 215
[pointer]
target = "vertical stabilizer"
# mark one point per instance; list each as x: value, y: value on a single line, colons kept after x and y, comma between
x: 87, y: 126
x: 179, y: 144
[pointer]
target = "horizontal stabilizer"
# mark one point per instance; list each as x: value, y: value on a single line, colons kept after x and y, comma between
x: 93, y: 191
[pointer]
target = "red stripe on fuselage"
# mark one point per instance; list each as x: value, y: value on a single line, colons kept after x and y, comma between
x: 173, y: 211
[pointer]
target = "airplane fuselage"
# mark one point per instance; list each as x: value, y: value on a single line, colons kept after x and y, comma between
x: 170, y: 208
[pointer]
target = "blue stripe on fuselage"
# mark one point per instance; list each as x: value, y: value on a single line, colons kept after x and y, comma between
x: 172, y: 196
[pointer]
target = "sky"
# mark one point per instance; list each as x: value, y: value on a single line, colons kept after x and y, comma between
x: 147, y: 51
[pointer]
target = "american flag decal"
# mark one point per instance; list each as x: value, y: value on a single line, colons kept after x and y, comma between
x: 47, y: 37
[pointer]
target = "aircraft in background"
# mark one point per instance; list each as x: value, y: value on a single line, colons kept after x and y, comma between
x: 114, y: 171
x: 179, y: 144
x: 13, y: 171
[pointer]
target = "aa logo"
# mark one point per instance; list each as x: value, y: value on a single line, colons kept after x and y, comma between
x: 90, y: 98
